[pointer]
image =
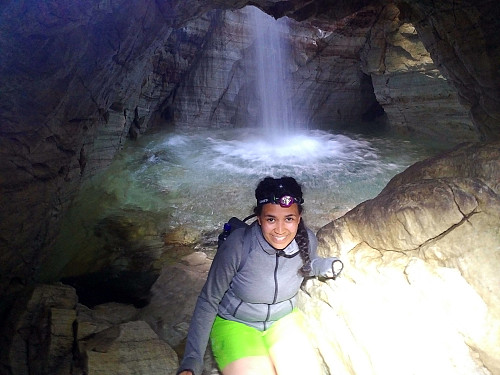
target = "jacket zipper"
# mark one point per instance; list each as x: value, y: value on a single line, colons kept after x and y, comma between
x: 275, y: 291
x: 276, y: 278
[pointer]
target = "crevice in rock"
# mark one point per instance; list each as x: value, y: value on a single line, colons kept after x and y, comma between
x: 449, y: 230
x: 219, y: 100
x: 381, y: 251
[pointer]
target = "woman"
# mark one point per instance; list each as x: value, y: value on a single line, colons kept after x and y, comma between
x: 247, y: 305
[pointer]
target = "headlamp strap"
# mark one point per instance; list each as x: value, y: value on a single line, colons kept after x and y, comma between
x: 284, y: 201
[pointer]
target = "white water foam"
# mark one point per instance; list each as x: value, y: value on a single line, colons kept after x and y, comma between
x: 209, y: 175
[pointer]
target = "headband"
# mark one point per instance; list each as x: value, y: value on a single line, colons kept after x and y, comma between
x: 285, y: 201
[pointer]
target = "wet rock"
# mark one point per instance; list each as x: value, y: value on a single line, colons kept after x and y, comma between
x: 182, y: 235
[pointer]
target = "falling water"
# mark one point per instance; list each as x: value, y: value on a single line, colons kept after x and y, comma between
x: 272, y: 57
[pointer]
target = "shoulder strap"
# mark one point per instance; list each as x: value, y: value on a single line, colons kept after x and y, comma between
x: 246, y: 247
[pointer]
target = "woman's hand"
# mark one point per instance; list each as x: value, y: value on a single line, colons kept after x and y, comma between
x: 337, y: 267
x: 186, y: 372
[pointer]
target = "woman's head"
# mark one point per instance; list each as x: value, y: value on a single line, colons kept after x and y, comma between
x: 279, y: 209
x: 284, y: 191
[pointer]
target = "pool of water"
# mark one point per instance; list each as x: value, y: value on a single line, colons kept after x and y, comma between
x: 200, y: 178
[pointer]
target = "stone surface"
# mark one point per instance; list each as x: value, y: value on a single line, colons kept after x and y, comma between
x: 130, y: 348
x: 461, y: 40
x: 101, y: 317
x: 174, y: 295
x: 419, y: 287
x: 172, y: 302
x: 37, y: 334
x: 49, y: 333
x: 327, y: 86
x: 408, y: 85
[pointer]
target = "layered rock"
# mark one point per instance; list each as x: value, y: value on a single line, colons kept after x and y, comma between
x: 130, y: 348
x: 327, y: 87
x: 65, y: 116
x: 50, y: 333
x: 460, y: 37
x: 39, y: 331
x: 419, y: 287
x: 92, y: 84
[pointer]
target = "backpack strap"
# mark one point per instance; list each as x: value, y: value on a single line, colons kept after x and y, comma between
x: 247, y: 248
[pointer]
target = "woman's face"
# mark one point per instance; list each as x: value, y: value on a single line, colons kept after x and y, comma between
x: 279, y: 224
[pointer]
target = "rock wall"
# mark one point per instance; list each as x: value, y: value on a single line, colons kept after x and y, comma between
x: 51, y: 333
x: 462, y: 40
x: 72, y: 93
x: 73, y: 83
x: 328, y: 89
x: 408, y: 85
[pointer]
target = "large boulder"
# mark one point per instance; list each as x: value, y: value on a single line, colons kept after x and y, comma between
x: 419, y: 292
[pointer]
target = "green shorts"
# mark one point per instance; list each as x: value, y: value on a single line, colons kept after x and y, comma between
x: 232, y: 340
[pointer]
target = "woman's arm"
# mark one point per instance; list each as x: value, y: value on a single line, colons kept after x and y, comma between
x: 222, y: 271
x: 324, y: 267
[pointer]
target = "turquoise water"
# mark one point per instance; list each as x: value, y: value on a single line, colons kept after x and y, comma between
x: 201, y: 178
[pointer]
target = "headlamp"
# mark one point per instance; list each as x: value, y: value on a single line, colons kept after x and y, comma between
x: 285, y: 201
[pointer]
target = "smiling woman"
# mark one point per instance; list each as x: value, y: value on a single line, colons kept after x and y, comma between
x: 279, y: 225
x: 279, y: 222
x: 247, y: 307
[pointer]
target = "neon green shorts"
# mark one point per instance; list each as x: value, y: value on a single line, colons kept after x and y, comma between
x: 232, y: 340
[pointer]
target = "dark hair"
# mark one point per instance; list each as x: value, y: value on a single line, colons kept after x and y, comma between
x: 278, y: 187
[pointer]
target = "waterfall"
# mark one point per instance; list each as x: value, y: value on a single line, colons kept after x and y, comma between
x: 273, y: 83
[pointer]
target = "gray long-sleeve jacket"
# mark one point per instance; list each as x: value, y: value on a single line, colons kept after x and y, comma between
x: 258, y: 293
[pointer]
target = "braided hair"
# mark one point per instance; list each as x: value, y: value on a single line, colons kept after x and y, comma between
x: 278, y: 187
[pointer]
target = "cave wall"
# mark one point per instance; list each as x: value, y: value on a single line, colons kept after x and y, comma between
x: 371, y: 65
x: 462, y: 38
x: 73, y: 82
x: 328, y: 88
x: 76, y: 81
x: 415, y: 95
